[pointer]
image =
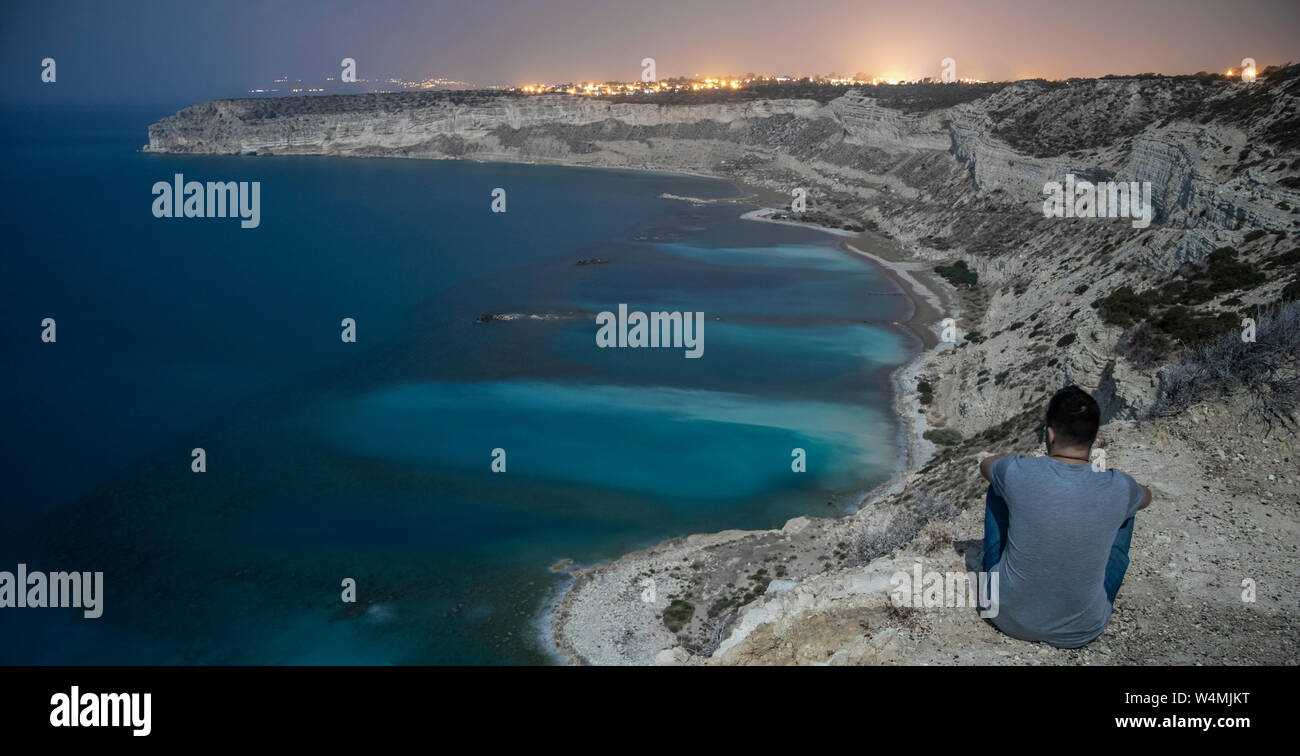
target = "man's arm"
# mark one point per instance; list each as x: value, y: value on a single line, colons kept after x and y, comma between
x: 1146, y: 497
x: 987, y: 463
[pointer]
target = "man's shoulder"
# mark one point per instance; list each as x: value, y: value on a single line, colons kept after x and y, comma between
x: 1042, y: 461
x: 1127, y: 483
x: 1120, y: 476
x: 1011, y: 468
x: 1012, y: 461
x: 1034, y: 466
x: 1116, y: 476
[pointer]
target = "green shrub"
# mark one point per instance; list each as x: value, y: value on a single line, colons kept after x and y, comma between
x: 1124, y: 307
x: 1284, y: 259
x: 1066, y: 340
x: 678, y: 614
x: 1227, y: 273
x: 942, y: 436
x: 1144, y: 346
x: 958, y: 274
x: 1196, y: 294
x: 1193, y: 329
x: 926, y: 390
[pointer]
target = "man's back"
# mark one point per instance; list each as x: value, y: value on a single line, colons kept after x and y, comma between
x: 1063, y: 519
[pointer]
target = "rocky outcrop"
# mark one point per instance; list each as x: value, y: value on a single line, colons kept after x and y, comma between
x: 869, y: 123
x: 441, y: 126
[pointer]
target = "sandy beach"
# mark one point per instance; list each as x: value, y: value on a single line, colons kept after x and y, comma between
x: 932, y: 300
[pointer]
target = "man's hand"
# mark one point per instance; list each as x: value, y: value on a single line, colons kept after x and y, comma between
x: 1146, y: 498
x: 987, y: 463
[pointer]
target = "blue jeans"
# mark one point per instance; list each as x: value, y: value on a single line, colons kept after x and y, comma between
x: 996, y: 518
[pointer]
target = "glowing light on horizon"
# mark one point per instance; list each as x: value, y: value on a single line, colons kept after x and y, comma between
x: 699, y: 83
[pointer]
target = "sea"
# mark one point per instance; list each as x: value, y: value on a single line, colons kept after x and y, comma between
x: 442, y: 462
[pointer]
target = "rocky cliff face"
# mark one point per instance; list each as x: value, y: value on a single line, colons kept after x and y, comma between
x: 442, y: 126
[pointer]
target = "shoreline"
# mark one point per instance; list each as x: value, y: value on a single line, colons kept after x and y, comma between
x: 924, y: 291
x: 930, y: 301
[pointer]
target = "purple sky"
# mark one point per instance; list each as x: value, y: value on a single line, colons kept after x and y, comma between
x: 154, y: 50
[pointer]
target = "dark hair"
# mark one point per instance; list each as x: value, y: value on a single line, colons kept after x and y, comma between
x: 1074, y: 416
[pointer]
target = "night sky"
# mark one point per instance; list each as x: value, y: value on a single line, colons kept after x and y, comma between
x: 129, y: 50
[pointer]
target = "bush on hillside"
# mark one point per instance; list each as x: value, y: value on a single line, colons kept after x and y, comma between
x: 942, y: 436
x: 958, y: 274
x: 1266, y: 368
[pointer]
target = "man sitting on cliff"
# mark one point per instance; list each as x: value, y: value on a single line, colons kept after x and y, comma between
x: 1057, y: 531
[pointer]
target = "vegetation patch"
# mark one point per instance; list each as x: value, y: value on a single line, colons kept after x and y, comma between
x: 1224, y: 272
x: 943, y: 436
x: 1283, y: 260
x: 958, y: 274
x: 1169, y: 312
x: 677, y: 614
x: 1143, y: 346
x: 1124, y: 307
x: 1194, y: 329
x: 1266, y: 368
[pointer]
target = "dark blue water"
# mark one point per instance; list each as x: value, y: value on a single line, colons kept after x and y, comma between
x: 372, y: 460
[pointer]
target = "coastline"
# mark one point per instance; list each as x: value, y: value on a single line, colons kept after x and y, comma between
x: 1207, y: 461
x: 930, y: 301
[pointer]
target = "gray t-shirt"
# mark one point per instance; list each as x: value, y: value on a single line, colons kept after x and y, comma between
x: 1063, y: 520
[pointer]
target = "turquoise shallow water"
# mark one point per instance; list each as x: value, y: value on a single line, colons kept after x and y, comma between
x: 654, y: 441
x: 372, y: 460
